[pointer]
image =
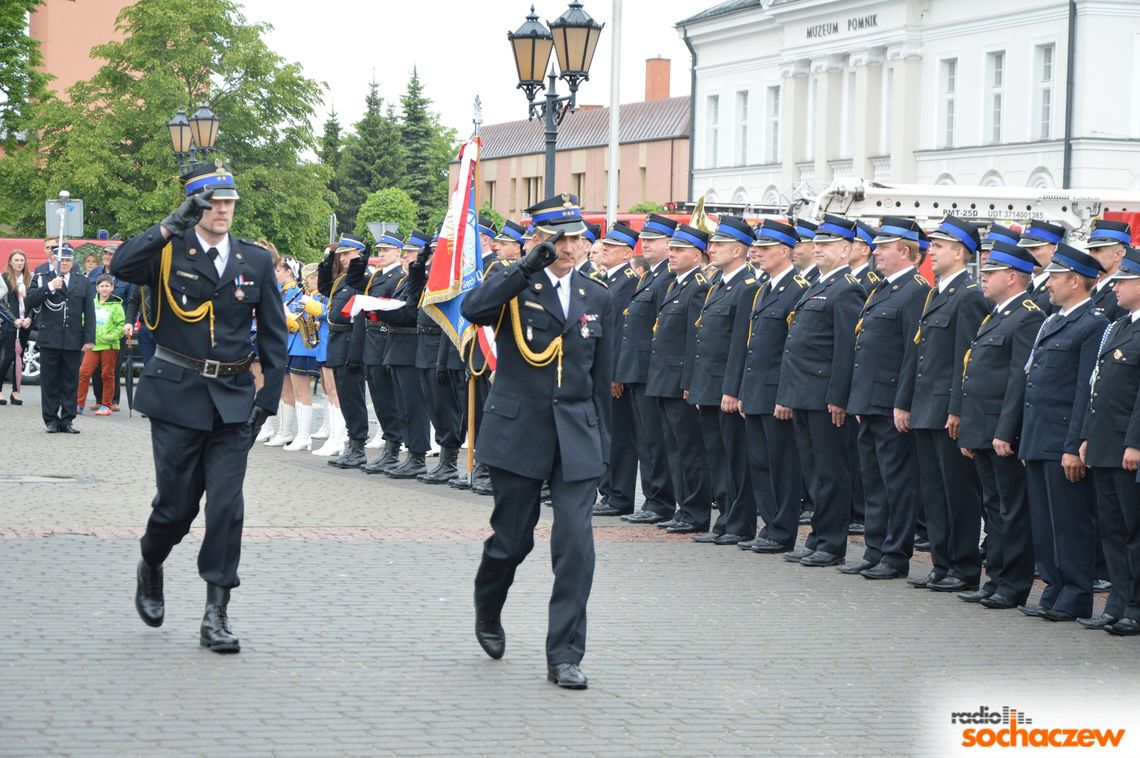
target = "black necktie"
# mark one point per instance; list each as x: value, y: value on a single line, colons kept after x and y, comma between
x: 213, y: 253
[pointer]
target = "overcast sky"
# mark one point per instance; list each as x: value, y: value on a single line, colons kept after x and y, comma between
x: 460, y: 50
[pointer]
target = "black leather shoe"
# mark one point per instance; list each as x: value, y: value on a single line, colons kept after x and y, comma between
x: 149, y: 600
x: 216, y: 633
x: 683, y: 528
x: 1126, y: 627
x: 855, y: 567
x: 819, y: 559
x: 1055, y: 615
x: 52, y: 427
x: 644, y: 517
x: 977, y: 596
x: 746, y: 544
x: 880, y: 571
x: 1098, y: 622
x: 951, y: 584
x: 389, y: 458
x: 609, y: 510
x: 67, y: 429
x: 765, y: 546
x: 1102, y: 585
x: 730, y: 539
x: 708, y: 538
x: 481, y: 485
x: 567, y: 676
x: 925, y: 581
x: 856, y: 527
x: 797, y: 554
x: 444, y: 470
x: 491, y: 637
x: 667, y: 524
x: 1000, y: 602
x: 354, y: 456
x: 805, y: 517
x: 459, y: 482
x: 1035, y: 611
x: 413, y: 466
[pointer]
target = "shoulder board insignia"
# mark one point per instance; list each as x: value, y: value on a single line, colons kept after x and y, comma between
x: 851, y: 278
x: 251, y: 243
x: 800, y: 281
x: 630, y: 273
x: 700, y: 278
x: 971, y: 286
x: 599, y: 280
x: 872, y: 276
x: 918, y: 278
x: 1029, y: 305
x: 750, y: 280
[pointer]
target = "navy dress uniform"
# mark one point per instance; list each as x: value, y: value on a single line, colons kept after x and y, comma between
x: 1107, y: 239
x: 882, y: 381
x: 632, y: 372
x: 1111, y: 427
x: 347, y: 337
x: 951, y: 491
x: 476, y: 365
x: 549, y: 399
x: 670, y: 375
x: 776, y: 478
x: 197, y: 390
x: 617, y: 488
x: 818, y: 359
x: 993, y: 405
x: 65, y: 322
x: 719, y: 349
x: 1062, y: 513
x: 381, y: 387
x: 1041, y: 239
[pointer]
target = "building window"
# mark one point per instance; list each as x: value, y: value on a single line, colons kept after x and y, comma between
x: 533, y: 190
x: 578, y: 182
x: 774, y: 124
x: 995, y: 74
x: 887, y: 110
x: 714, y: 128
x: 489, y: 193
x: 1044, y: 80
x: 742, y: 128
x: 949, y: 101
x: 641, y: 184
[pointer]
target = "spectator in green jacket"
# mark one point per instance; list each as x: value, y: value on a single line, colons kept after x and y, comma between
x: 109, y: 321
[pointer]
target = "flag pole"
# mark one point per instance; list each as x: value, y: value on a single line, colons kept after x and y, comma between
x: 477, y: 120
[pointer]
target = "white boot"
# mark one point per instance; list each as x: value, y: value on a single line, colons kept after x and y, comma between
x: 286, y: 427
x: 269, y: 428
x: 334, y: 445
x: 303, y: 440
x: 323, y: 432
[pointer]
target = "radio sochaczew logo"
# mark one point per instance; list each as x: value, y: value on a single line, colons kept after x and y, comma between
x: 1009, y: 727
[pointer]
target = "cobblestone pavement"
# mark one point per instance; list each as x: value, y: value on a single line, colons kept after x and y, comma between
x: 356, y: 625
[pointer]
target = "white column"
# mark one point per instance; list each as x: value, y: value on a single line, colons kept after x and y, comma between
x: 793, y: 116
x: 906, y: 110
x: 828, y: 73
x: 864, y: 125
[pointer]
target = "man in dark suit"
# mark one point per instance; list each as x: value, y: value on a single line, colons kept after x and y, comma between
x: 632, y: 372
x: 862, y: 267
x: 550, y: 397
x: 65, y: 322
x: 815, y: 385
x: 620, y: 480
x: 951, y: 492
x: 993, y: 395
x: 670, y: 375
x: 772, y: 458
x: 1111, y: 446
x: 719, y: 347
x: 1041, y: 238
x: 1107, y: 242
x: 208, y: 287
x: 881, y: 392
x: 381, y: 387
x: 1062, y: 505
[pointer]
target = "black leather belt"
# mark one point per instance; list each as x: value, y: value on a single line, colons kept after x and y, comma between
x: 208, y: 368
x: 377, y: 326
x: 340, y: 327
x: 433, y: 330
x: 402, y: 330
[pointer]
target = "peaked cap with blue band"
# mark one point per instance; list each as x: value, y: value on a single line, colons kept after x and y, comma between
x: 690, y: 236
x: 958, y: 230
x: 216, y: 176
x: 657, y: 226
x: 1006, y: 255
x: 733, y: 229
x: 1129, y: 264
x: 806, y: 230
x: 511, y: 232
x: 487, y: 226
x: 866, y: 233
x: 1041, y: 233
x: 417, y: 240
x: 621, y: 234
x: 1106, y: 233
x: 835, y: 229
x: 350, y: 242
x: 559, y: 213
x: 1068, y: 258
x: 771, y: 232
x: 593, y: 231
x: 898, y: 228
x: 998, y: 232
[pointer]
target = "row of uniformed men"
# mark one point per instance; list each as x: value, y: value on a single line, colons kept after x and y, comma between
x: 886, y: 398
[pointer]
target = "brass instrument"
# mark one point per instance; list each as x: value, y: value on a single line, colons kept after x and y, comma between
x: 309, y: 325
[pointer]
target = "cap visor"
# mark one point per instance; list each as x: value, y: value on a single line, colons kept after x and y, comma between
x: 723, y: 238
x: 1101, y: 243
x: 995, y: 267
x: 765, y: 242
x: 1057, y: 268
x: 937, y: 235
x: 1030, y: 242
x: 881, y: 238
x: 569, y: 229
x: 650, y: 235
x: 680, y: 243
x: 1122, y: 274
x: 832, y: 238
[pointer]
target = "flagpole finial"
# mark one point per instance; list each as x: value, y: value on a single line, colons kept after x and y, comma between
x: 478, y: 118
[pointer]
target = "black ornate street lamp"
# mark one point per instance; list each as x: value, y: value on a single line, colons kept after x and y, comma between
x: 574, y: 38
x: 193, y: 138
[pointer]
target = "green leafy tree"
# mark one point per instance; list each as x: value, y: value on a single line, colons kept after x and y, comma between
x: 109, y: 145
x: 488, y: 213
x: 646, y: 207
x: 429, y: 147
x: 373, y: 157
x: 329, y: 150
x: 391, y: 205
x: 21, y: 83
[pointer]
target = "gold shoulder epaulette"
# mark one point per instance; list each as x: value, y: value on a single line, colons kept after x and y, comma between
x: 851, y: 278
x: 972, y: 286
x: 800, y: 281
x: 594, y: 276
x: 1030, y: 305
x: 251, y: 243
x: 750, y: 280
x: 630, y: 273
x: 700, y: 278
x: 873, y: 276
x: 918, y: 278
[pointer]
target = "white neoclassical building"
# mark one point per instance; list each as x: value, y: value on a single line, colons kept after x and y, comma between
x: 793, y: 93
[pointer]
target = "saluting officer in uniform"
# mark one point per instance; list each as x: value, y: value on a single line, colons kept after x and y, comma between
x: 1111, y: 447
x: 670, y: 376
x: 549, y: 400
x: 718, y: 366
x: 1041, y: 238
x: 65, y: 327
x: 776, y: 478
x: 1062, y: 507
x: 340, y: 275
x: 206, y: 288
x: 993, y: 395
x: 951, y: 492
x: 382, y: 283
x: 620, y: 480
x: 1107, y: 241
x: 632, y: 372
x: 882, y: 387
x: 815, y: 385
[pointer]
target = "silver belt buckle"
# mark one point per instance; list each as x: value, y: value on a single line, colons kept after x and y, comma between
x: 210, y: 368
